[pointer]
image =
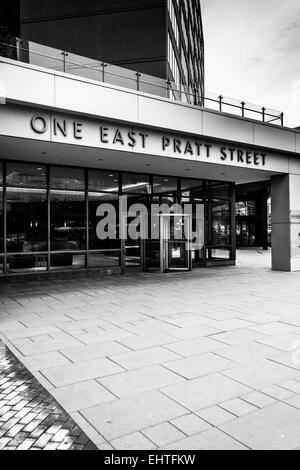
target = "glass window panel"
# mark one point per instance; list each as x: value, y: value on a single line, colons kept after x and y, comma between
x: 98, y: 229
x: 104, y: 181
x: 25, y: 175
x: 169, y: 200
x: 67, y: 178
x: 153, y: 254
x: 137, y: 221
x: 220, y: 222
x: 1, y: 264
x: 218, y: 190
x: 68, y: 221
x: 219, y: 254
x: 27, y: 221
x: 190, y: 184
x: 198, y: 195
x: 198, y: 227
x: 132, y: 183
x: 164, y: 184
x: 106, y: 259
x: 67, y: 261
x: 1, y: 222
x: 240, y: 208
x: 29, y: 263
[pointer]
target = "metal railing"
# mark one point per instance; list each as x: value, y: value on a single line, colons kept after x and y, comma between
x: 66, y: 62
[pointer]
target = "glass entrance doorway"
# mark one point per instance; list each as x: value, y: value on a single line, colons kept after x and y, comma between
x: 175, y: 244
x: 133, y: 246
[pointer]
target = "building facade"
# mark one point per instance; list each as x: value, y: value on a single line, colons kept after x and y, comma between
x: 10, y: 17
x: 161, y: 38
x: 70, y: 145
x: 102, y: 169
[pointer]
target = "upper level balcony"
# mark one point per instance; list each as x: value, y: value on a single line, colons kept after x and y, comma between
x: 65, y: 62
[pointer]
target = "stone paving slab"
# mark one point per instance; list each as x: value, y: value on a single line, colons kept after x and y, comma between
x: 127, y: 415
x: 183, y: 360
x: 275, y: 427
x: 140, y: 380
x: 204, y: 392
x: 61, y: 376
x: 214, y: 439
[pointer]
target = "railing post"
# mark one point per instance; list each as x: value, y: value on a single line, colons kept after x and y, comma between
x: 168, y: 83
x: 220, y: 102
x: 263, y: 114
x: 103, y: 66
x: 138, y: 75
x: 281, y: 118
x: 243, y: 108
x: 64, y: 54
x: 18, y: 41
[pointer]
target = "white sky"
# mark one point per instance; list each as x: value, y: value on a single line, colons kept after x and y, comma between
x: 252, y: 52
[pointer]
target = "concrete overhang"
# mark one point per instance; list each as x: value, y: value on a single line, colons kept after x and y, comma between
x: 44, y: 88
x: 63, y: 154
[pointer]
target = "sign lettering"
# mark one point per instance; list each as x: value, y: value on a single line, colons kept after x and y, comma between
x: 121, y: 138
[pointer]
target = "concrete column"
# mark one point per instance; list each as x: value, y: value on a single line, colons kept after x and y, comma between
x: 285, y: 222
x: 264, y: 212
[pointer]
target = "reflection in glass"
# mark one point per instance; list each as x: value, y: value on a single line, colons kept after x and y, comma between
x: 105, y: 259
x: 132, y: 183
x: 67, y: 178
x: 68, y: 220
x: 220, y: 222
x: 153, y: 254
x: 218, y: 190
x: 28, y: 227
x: 219, y: 254
x: 25, y: 175
x: 104, y: 181
x: 198, y: 227
x: 164, y: 184
x: 169, y: 201
x: 1, y: 222
x: 178, y: 242
x: 187, y: 184
x: 28, y: 263
x: 62, y: 261
x: 246, y: 208
x: 97, y: 215
x: 27, y: 223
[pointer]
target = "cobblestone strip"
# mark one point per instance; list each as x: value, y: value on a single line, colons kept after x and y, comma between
x: 30, y: 419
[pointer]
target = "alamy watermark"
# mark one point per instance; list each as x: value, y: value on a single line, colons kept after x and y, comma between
x: 139, y: 221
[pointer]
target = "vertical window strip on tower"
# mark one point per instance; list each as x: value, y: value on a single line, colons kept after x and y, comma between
x: 173, y: 63
x: 174, y: 21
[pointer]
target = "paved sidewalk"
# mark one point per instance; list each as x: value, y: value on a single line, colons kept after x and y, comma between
x: 199, y: 360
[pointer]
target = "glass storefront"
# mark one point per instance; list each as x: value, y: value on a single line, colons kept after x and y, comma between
x: 53, y: 218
